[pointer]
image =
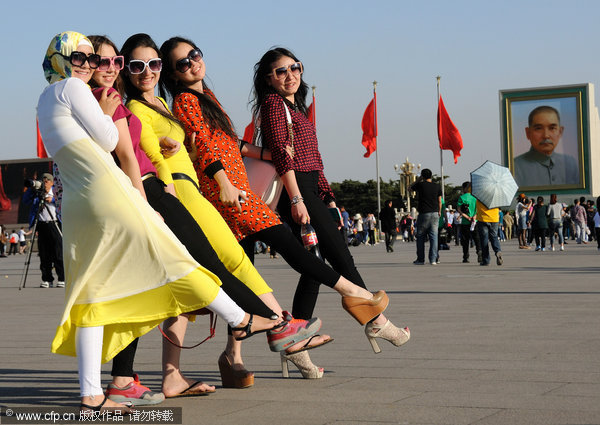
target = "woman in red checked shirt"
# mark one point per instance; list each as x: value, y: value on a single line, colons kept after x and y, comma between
x: 278, y: 82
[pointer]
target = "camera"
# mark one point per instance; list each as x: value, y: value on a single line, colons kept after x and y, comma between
x: 35, y: 184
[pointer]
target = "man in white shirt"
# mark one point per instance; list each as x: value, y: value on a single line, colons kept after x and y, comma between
x: 22, y: 240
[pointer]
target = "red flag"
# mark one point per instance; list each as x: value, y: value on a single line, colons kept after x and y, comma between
x: 41, y: 149
x: 448, y: 135
x: 311, y: 113
x: 5, y: 203
x: 369, y: 127
x: 249, y: 133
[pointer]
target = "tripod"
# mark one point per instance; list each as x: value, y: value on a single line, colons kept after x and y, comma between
x: 42, y: 204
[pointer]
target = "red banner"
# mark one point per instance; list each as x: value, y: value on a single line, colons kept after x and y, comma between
x: 311, y: 113
x: 41, y: 149
x: 369, y: 127
x: 448, y: 135
x: 249, y: 132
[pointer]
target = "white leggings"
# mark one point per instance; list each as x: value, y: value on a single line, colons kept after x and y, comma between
x: 88, y: 342
x: 227, y: 309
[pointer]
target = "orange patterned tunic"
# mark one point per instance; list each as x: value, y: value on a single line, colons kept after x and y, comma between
x: 216, y: 149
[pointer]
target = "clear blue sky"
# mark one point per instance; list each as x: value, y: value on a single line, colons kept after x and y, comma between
x: 477, y: 47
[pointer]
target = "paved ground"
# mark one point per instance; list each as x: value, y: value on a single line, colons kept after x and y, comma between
x: 517, y: 344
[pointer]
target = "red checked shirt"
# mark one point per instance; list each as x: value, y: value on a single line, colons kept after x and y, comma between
x: 275, y: 136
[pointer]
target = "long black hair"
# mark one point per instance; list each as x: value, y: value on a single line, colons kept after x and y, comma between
x: 213, y: 114
x: 97, y: 42
x: 261, y: 89
x: 132, y: 43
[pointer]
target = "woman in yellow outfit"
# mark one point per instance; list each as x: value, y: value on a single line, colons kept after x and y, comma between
x: 125, y: 270
x: 177, y: 171
x: 178, y: 174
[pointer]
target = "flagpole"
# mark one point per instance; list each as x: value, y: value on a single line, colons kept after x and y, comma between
x: 441, y: 156
x: 377, y: 158
x: 314, y: 111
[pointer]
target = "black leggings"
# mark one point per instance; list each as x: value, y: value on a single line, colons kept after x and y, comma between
x: 331, y: 244
x: 189, y: 233
x: 540, y: 237
x: 281, y: 238
x: 123, y: 361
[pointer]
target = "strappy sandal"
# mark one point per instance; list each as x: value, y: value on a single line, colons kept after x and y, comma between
x: 307, y: 345
x: 248, y: 329
x: 121, y: 410
x: 93, y: 408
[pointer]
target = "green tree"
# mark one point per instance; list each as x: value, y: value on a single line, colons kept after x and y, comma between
x: 359, y: 197
x: 451, y: 192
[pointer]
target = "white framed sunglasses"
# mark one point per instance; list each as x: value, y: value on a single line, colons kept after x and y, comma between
x: 280, y: 73
x: 137, y: 66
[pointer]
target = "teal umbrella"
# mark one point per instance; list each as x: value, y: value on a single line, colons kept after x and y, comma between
x: 493, y: 185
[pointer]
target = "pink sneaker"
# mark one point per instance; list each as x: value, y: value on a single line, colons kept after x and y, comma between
x: 294, y: 331
x: 134, y: 394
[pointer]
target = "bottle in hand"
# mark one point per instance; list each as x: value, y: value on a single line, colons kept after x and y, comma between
x: 309, y: 239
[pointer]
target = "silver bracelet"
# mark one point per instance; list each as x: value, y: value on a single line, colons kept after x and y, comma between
x: 296, y: 200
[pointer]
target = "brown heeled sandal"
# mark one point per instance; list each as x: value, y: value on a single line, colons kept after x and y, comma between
x: 232, y: 378
x: 364, y: 310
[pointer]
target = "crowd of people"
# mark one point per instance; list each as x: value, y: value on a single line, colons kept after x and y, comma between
x: 13, y: 242
x: 127, y: 268
x: 534, y: 224
x: 473, y: 225
x: 559, y: 222
x: 358, y: 229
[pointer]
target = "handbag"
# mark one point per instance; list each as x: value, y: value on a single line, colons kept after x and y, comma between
x: 262, y: 176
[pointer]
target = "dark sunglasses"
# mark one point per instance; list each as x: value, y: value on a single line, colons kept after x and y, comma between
x: 137, y: 66
x: 182, y: 65
x: 105, y: 62
x: 79, y: 58
x: 280, y: 73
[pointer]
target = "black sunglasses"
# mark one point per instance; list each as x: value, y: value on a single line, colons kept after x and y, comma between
x: 182, y: 65
x: 79, y: 58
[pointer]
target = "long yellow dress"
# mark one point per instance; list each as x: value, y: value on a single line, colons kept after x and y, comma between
x: 124, y: 269
x: 229, y: 251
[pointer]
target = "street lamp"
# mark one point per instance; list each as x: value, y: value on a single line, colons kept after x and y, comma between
x: 407, y: 175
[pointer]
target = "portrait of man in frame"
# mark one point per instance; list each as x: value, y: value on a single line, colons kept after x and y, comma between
x: 544, y: 139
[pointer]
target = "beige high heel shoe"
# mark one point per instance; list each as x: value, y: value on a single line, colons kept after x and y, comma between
x: 387, y: 331
x: 302, y: 361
